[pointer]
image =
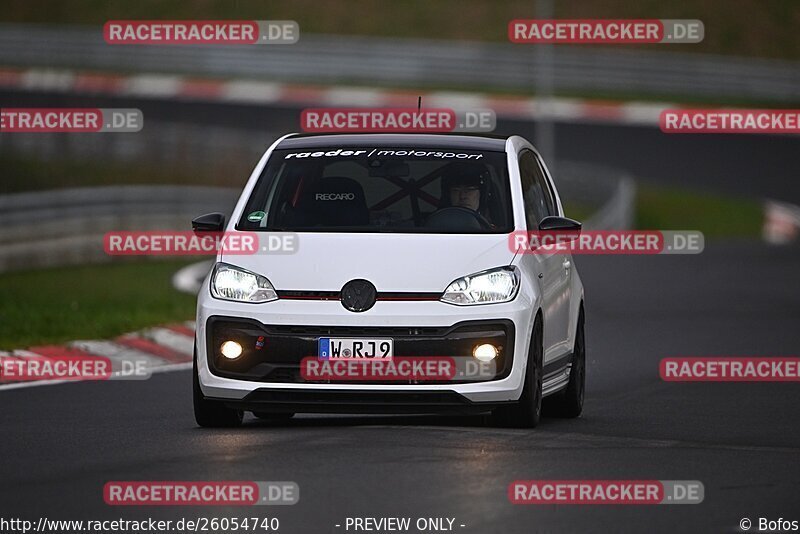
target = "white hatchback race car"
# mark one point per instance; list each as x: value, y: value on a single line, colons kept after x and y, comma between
x: 402, y: 292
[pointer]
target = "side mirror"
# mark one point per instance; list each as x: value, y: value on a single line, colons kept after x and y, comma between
x: 210, y: 222
x: 561, y: 224
x: 565, y: 229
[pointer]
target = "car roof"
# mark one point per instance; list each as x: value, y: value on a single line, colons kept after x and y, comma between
x: 484, y: 142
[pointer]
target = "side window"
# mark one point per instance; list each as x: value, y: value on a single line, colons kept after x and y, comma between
x: 536, y: 193
x: 550, y: 199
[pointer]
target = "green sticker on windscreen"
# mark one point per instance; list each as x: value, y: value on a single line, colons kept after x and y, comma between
x: 256, y: 216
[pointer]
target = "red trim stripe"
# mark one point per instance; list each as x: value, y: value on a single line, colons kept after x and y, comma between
x: 398, y: 298
x: 431, y: 297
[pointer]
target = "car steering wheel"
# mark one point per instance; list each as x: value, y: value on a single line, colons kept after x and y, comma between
x: 482, y: 221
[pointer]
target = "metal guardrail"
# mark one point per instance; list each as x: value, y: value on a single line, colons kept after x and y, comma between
x: 608, y: 193
x: 66, y: 226
x: 171, y: 146
x: 415, y: 62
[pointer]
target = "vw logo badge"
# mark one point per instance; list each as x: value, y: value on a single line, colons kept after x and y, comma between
x: 359, y: 295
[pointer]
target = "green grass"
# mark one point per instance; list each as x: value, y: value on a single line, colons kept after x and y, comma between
x: 578, y: 212
x: 760, y: 28
x: 666, y: 208
x: 89, y: 302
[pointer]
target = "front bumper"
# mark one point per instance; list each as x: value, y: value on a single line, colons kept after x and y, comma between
x: 265, y: 384
x: 283, y: 400
x: 274, y: 353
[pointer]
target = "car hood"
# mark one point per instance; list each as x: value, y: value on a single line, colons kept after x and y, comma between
x: 392, y: 262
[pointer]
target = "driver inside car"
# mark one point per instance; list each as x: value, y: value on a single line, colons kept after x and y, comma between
x: 464, y: 186
x: 465, y: 195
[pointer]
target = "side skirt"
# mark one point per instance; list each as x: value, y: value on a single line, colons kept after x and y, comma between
x: 556, y: 375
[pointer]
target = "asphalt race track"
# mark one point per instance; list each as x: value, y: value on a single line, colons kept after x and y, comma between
x: 62, y: 443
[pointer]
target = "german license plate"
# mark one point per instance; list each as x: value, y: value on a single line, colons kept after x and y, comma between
x: 370, y: 348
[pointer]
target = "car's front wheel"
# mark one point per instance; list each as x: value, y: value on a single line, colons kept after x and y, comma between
x: 569, y: 403
x: 209, y: 413
x: 528, y: 410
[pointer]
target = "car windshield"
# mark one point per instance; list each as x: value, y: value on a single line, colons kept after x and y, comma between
x: 364, y: 189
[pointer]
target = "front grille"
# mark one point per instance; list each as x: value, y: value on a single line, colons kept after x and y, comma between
x: 336, y: 295
x: 349, y: 331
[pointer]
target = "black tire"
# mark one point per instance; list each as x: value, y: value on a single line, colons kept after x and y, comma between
x: 569, y: 402
x: 212, y: 414
x: 274, y: 417
x: 527, y: 412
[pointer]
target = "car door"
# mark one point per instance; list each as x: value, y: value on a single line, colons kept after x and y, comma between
x: 561, y: 313
x: 554, y: 267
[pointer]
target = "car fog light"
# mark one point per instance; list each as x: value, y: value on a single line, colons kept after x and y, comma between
x: 485, y: 352
x: 231, y: 350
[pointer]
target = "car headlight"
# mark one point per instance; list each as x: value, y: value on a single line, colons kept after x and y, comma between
x: 497, y: 285
x: 232, y: 283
